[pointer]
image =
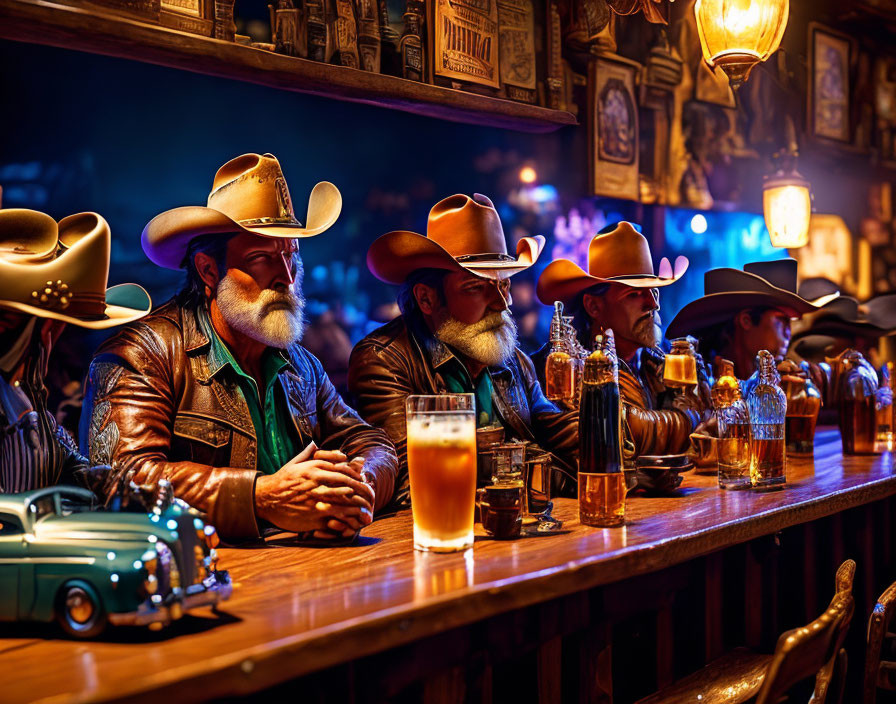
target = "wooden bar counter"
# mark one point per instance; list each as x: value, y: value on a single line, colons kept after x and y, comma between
x: 586, y: 615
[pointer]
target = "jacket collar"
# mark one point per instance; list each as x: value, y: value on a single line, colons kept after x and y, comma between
x: 200, y: 337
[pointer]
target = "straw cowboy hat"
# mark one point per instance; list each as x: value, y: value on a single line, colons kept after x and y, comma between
x: 728, y: 291
x: 462, y: 234
x: 60, y: 271
x: 620, y: 256
x: 249, y: 194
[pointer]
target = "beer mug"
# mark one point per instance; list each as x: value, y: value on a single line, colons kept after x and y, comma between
x: 680, y: 369
x: 441, y: 446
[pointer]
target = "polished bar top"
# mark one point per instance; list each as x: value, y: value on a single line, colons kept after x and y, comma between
x: 295, y: 610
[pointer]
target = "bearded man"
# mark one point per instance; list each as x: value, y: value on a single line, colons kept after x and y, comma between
x: 213, y: 392
x: 455, y: 333
x: 620, y: 291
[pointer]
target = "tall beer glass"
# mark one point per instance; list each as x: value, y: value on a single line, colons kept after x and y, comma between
x: 442, y: 470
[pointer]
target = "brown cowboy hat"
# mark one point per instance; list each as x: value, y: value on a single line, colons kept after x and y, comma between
x: 620, y: 256
x: 249, y: 194
x: 60, y: 271
x: 462, y: 234
x: 846, y: 317
x: 728, y: 291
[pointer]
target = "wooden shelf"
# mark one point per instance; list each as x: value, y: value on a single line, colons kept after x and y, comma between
x: 69, y: 27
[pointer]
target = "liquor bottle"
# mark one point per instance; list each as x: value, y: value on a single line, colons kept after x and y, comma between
x: 886, y: 413
x: 857, y: 396
x: 733, y: 419
x: 803, y: 404
x: 768, y: 409
x: 559, y: 371
x: 413, y: 65
x: 601, y: 476
x: 578, y: 353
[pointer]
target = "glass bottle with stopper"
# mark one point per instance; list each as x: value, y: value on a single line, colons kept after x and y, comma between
x: 733, y: 420
x: 680, y: 369
x: 803, y: 404
x: 560, y: 367
x: 768, y: 409
x: 601, y: 477
x: 857, y: 396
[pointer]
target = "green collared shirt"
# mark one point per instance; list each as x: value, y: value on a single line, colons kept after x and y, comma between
x: 458, y: 381
x: 275, y: 433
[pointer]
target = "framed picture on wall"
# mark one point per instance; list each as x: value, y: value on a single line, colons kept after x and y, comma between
x: 613, y: 127
x: 828, y: 95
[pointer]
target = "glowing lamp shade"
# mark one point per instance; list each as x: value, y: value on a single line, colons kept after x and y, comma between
x: 787, y: 207
x: 738, y: 34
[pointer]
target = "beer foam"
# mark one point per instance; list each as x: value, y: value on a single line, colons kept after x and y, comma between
x: 442, y: 428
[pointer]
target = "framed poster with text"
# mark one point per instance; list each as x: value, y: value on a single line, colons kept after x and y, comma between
x: 828, y: 96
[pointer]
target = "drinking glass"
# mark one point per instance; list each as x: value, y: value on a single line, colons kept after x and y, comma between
x: 442, y: 470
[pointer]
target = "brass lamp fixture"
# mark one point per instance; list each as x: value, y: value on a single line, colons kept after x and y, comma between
x: 738, y: 34
x: 786, y: 199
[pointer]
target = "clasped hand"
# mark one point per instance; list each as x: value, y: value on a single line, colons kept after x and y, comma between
x: 320, y: 492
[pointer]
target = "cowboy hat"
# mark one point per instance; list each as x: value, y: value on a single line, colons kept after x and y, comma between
x: 620, y: 255
x: 846, y: 317
x: 728, y: 291
x: 462, y: 234
x: 60, y: 271
x: 249, y: 194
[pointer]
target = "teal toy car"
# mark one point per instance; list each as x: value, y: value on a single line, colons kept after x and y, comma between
x: 62, y: 559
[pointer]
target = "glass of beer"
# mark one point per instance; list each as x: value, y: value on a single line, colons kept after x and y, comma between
x: 680, y: 369
x: 442, y: 470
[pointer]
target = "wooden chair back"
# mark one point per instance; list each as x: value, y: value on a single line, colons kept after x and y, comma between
x: 815, y: 649
x: 880, y: 649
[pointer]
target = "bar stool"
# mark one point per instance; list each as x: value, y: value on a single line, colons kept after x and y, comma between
x: 741, y: 675
x: 881, y: 673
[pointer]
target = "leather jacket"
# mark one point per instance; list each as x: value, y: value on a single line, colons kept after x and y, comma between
x: 392, y: 363
x: 156, y: 407
x: 649, y: 427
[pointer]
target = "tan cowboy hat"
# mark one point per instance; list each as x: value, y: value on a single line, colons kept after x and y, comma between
x: 728, y: 291
x: 61, y: 271
x: 249, y: 194
x: 620, y: 256
x: 462, y: 234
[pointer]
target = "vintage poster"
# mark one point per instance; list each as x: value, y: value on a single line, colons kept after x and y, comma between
x: 613, y: 128
x: 466, y: 41
x: 183, y: 7
x: 516, y: 40
x: 369, y: 35
x: 828, y: 94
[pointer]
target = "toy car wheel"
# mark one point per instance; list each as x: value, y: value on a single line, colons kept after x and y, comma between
x: 79, y: 610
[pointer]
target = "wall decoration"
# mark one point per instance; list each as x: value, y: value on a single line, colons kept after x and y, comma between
x: 465, y: 38
x: 828, y: 95
x: 613, y: 127
x: 516, y: 41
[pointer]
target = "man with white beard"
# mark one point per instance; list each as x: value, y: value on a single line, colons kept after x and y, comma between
x: 455, y: 333
x: 213, y: 392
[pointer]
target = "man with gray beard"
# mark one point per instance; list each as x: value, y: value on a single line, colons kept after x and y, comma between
x: 455, y: 333
x: 620, y: 291
x: 213, y: 392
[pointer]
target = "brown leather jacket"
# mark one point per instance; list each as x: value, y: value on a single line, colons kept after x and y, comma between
x: 650, y: 429
x: 391, y: 363
x: 157, y: 407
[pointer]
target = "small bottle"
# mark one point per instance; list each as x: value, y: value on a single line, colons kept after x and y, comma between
x: 680, y: 369
x: 803, y: 404
x: 734, y: 429
x: 768, y: 409
x: 560, y: 367
x: 601, y: 476
x: 857, y: 395
x: 886, y: 411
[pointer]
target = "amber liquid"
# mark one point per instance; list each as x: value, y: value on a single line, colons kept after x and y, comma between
x: 884, y: 429
x: 767, y: 463
x: 734, y: 456
x: 602, y: 499
x: 680, y: 370
x: 560, y: 377
x: 858, y: 426
x: 799, y: 431
x: 442, y: 472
